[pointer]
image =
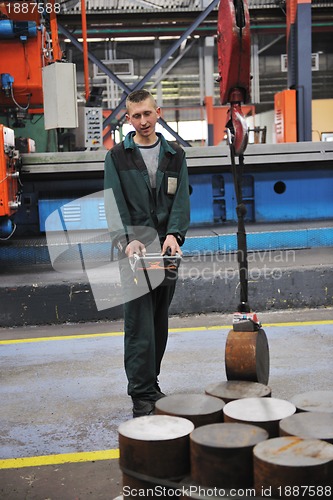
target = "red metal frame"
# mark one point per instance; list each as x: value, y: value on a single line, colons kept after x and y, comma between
x: 234, y: 59
x: 234, y: 49
x: 9, y: 189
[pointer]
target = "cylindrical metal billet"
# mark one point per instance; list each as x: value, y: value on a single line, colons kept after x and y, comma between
x: 247, y: 356
x: 321, y: 401
x: 222, y: 454
x: 264, y: 412
x: 155, y: 446
x: 308, y: 425
x: 238, y: 389
x: 291, y: 467
x: 201, y: 409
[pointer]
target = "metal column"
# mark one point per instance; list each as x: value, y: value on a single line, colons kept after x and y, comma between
x: 299, y: 47
x: 165, y: 57
x: 255, y: 87
x: 209, y: 86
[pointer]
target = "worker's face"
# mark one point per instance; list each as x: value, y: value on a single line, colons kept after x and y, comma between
x: 143, y: 116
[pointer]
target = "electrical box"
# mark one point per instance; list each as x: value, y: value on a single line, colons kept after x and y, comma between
x: 89, y: 135
x: 60, y: 97
x: 285, y: 116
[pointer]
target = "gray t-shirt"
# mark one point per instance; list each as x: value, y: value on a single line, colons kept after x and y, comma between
x: 150, y: 156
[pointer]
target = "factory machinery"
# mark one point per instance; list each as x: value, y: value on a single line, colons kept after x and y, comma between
x: 289, y: 184
x: 283, y: 183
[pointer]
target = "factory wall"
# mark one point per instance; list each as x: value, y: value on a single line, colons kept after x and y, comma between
x: 322, y: 118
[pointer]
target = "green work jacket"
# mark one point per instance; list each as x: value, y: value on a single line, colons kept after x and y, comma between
x: 132, y: 207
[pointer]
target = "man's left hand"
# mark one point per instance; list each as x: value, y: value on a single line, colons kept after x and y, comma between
x: 171, y: 243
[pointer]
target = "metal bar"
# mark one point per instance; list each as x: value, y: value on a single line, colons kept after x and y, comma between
x: 57, y: 55
x: 85, y: 48
x: 299, y: 63
x: 174, y: 133
x: 273, y: 42
x: 111, y: 75
x: 304, y: 70
x: 92, y: 58
x: 174, y: 62
x: 287, y: 156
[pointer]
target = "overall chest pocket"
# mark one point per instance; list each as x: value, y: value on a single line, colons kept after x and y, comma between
x: 171, y: 184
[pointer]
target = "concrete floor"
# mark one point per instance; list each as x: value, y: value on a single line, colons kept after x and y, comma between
x: 63, y: 392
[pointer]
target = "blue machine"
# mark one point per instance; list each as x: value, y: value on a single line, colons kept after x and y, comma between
x: 283, y: 183
x: 17, y: 29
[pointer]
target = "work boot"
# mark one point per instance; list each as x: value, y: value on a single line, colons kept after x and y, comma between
x: 142, y: 407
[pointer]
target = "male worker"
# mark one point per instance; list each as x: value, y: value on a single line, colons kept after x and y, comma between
x: 149, y: 180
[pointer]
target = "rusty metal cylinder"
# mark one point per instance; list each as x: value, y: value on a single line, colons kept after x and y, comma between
x: 151, y: 448
x: 263, y: 412
x: 321, y: 401
x: 308, y: 425
x: 291, y: 467
x: 200, y: 409
x: 222, y: 454
x: 247, y: 356
x: 238, y: 389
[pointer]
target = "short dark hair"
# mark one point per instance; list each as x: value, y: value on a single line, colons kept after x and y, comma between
x: 139, y: 96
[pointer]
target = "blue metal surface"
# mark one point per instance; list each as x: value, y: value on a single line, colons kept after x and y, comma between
x: 268, y: 239
x: 16, y: 29
x: 30, y: 252
x: 269, y: 196
x: 287, y: 190
x: 307, y: 195
x: 6, y: 227
x: 81, y: 214
x: 201, y: 199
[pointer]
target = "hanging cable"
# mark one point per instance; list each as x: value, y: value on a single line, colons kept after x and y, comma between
x: 23, y: 108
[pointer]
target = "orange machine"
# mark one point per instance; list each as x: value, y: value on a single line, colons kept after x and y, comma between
x: 28, y: 42
x: 9, y: 180
x: 25, y: 47
x: 285, y: 116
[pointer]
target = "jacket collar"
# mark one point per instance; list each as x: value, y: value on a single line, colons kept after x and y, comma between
x: 130, y: 144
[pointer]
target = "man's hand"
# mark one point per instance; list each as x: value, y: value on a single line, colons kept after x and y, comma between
x: 135, y: 246
x: 172, y: 243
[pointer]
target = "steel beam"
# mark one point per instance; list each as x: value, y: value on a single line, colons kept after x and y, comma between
x: 160, y: 63
x: 92, y: 58
x: 299, y: 40
x: 287, y: 156
x: 113, y: 77
x: 156, y: 67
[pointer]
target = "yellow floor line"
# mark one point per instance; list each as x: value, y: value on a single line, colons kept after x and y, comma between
x: 65, y: 458
x: 301, y: 323
x: 14, y: 463
x: 61, y: 337
x: 171, y: 330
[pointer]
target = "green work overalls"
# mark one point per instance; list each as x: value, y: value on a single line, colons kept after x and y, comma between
x: 141, y: 210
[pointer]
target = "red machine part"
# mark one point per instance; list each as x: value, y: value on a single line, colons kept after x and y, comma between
x: 24, y: 60
x: 285, y: 116
x: 234, y: 50
x: 234, y: 57
x: 9, y: 173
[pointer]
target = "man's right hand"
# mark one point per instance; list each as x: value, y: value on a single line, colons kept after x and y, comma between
x: 135, y: 246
